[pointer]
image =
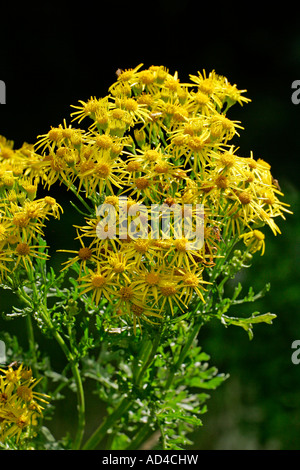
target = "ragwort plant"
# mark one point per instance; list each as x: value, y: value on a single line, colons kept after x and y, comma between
x: 126, y: 310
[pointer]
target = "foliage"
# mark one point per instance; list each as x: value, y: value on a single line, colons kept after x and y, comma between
x: 127, y: 305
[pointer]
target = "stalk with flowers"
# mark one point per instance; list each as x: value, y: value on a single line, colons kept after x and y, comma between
x: 126, y: 307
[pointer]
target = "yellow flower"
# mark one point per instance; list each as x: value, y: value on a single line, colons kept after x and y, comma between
x: 255, y: 240
x: 5, y: 260
x: 85, y: 255
x: 170, y: 292
x: 100, y: 171
x: 119, y: 266
x: 20, y: 405
x: 192, y: 281
x: 148, y: 280
x: 90, y: 108
x: 25, y: 253
x: 98, y: 282
x: 137, y: 313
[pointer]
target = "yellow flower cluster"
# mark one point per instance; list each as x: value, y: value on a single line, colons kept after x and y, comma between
x: 154, y: 140
x: 22, y: 215
x: 157, y: 140
x: 20, y: 405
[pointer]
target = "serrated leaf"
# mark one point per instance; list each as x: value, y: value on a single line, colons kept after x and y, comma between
x: 246, y: 323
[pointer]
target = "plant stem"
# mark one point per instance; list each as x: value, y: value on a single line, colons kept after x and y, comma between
x: 101, y: 431
x: 149, y: 359
x: 44, y: 315
x: 194, y: 332
x: 142, y: 435
x: 32, y: 347
x: 80, y: 407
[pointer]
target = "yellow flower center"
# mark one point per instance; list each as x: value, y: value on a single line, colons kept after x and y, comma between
x: 133, y: 166
x: 191, y: 280
x: 168, y: 289
x: 161, y: 168
x: 118, y: 113
x: 102, y: 170
x: 21, y: 220
x: 228, y: 159
x: 196, y: 143
x: 258, y: 235
x: 25, y: 393
x: 130, y: 104
x: 126, y: 293
x: 206, y: 86
x: 146, y: 77
x: 54, y: 134
x: 23, y: 249
x: 6, y: 152
x: 151, y: 155
x: 141, y: 245
x: 98, y: 280
x: 91, y: 106
x: 181, y: 244
x: 201, y: 98
x: 84, y: 253
x: 245, y: 198
x: 221, y: 182
x: 152, y: 279
x: 142, y: 183
x: 104, y: 141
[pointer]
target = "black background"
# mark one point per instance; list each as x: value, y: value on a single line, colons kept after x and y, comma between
x: 54, y: 54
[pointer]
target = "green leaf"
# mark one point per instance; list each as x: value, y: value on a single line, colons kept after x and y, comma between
x: 246, y: 323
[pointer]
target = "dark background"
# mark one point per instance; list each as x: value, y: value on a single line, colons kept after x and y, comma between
x: 53, y: 55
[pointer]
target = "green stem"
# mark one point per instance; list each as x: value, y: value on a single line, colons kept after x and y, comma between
x: 194, y: 332
x: 149, y: 358
x: 142, y: 435
x: 43, y: 313
x: 80, y: 407
x: 32, y: 347
x: 101, y: 431
x: 83, y: 202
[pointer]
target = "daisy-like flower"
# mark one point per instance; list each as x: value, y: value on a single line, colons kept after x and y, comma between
x: 170, y: 294
x: 119, y: 265
x: 99, y: 174
x: 136, y: 110
x: 58, y: 136
x: 83, y: 256
x: 148, y: 280
x: 193, y: 283
x: 20, y: 405
x: 91, y: 108
x: 142, y: 249
x: 97, y: 282
x: 181, y: 253
x: 5, y: 260
x: 24, y: 253
x: 138, y: 313
x: 254, y: 240
x: 126, y: 76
